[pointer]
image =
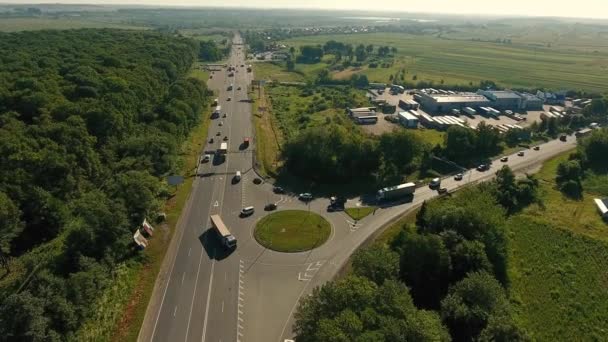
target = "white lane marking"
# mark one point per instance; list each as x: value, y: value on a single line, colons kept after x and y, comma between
x: 194, y: 294
x: 216, y: 204
x: 222, y: 306
x: 175, y: 311
x: 162, y: 301
x: 240, y: 302
x: 208, y: 297
x: 183, y: 276
x: 189, y: 250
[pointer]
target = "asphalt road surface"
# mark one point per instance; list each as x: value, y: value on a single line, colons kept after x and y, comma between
x: 204, y: 293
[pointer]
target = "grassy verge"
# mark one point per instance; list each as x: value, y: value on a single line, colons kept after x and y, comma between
x: 143, y: 283
x: 268, y: 136
x: 292, y: 231
x: 359, y: 212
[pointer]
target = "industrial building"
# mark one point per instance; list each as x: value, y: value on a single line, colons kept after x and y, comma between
x: 408, y: 120
x: 442, y: 103
x: 531, y: 102
x: 364, y: 115
x: 502, y: 99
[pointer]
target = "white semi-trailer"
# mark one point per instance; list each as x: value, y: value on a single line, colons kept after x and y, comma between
x: 469, y: 111
x: 397, y: 191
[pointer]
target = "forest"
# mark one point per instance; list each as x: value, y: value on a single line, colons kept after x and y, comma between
x: 91, y: 121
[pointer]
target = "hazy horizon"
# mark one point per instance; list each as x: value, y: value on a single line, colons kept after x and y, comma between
x: 541, y: 8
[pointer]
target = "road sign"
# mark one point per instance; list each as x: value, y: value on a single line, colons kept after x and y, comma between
x: 175, y: 180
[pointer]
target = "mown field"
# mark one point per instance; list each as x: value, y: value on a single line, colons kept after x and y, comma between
x: 463, y: 61
x: 33, y: 24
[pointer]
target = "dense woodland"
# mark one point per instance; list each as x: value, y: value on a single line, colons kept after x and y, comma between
x: 90, y: 123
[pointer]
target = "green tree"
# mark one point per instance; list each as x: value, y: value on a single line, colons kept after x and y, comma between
x: 377, y: 263
x: 22, y: 317
x: 424, y: 267
x: 488, y: 140
x: 502, y: 328
x: 470, y: 303
x: 10, y: 227
x: 291, y: 66
x: 459, y: 142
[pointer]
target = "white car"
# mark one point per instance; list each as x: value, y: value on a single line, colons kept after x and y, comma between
x: 305, y: 196
x: 206, y: 158
x: 221, y: 123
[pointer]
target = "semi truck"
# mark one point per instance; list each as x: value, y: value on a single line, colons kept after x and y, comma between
x: 470, y: 111
x: 227, y: 239
x: 395, y: 192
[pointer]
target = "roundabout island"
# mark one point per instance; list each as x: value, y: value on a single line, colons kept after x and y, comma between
x: 292, y: 231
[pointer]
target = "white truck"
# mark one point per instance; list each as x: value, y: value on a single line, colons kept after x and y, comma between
x: 397, y: 191
x: 223, y: 148
x: 227, y: 239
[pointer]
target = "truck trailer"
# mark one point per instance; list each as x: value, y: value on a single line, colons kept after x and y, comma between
x: 470, y: 111
x: 397, y: 191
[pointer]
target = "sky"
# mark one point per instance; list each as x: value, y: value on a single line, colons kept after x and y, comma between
x: 579, y: 8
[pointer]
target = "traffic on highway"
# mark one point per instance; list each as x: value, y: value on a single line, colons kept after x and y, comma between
x: 217, y: 283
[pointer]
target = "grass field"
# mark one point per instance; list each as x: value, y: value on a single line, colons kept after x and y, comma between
x: 32, y: 24
x: 558, y: 211
x: 292, y: 231
x: 463, y: 61
x: 558, y: 281
x: 275, y: 72
x: 557, y: 265
x: 359, y: 212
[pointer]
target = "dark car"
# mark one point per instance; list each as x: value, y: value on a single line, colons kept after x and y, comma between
x: 270, y: 207
x: 335, y: 207
x: 226, y: 138
x: 483, y: 167
x: 536, y: 148
x: 442, y: 190
x: 278, y: 190
x: 521, y: 153
x: 218, y: 133
x: 563, y: 137
x: 211, y: 141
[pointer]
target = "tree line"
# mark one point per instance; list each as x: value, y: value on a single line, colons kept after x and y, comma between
x: 591, y: 157
x: 90, y: 123
x: 443, y: 278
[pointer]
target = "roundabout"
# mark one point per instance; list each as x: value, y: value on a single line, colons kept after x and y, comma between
x: 292, y: 231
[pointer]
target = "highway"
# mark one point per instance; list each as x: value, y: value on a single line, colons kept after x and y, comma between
x: 204, y: 293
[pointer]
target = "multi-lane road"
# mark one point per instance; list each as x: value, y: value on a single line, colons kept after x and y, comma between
x: 204, y: 293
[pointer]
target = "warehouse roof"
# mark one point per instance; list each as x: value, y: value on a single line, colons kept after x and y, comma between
x: 500, y: 94
x: 460, y: 98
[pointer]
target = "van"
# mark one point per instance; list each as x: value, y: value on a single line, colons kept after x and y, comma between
x: 237, y: 176
x: 435, y: 183
x: 247, y: 211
